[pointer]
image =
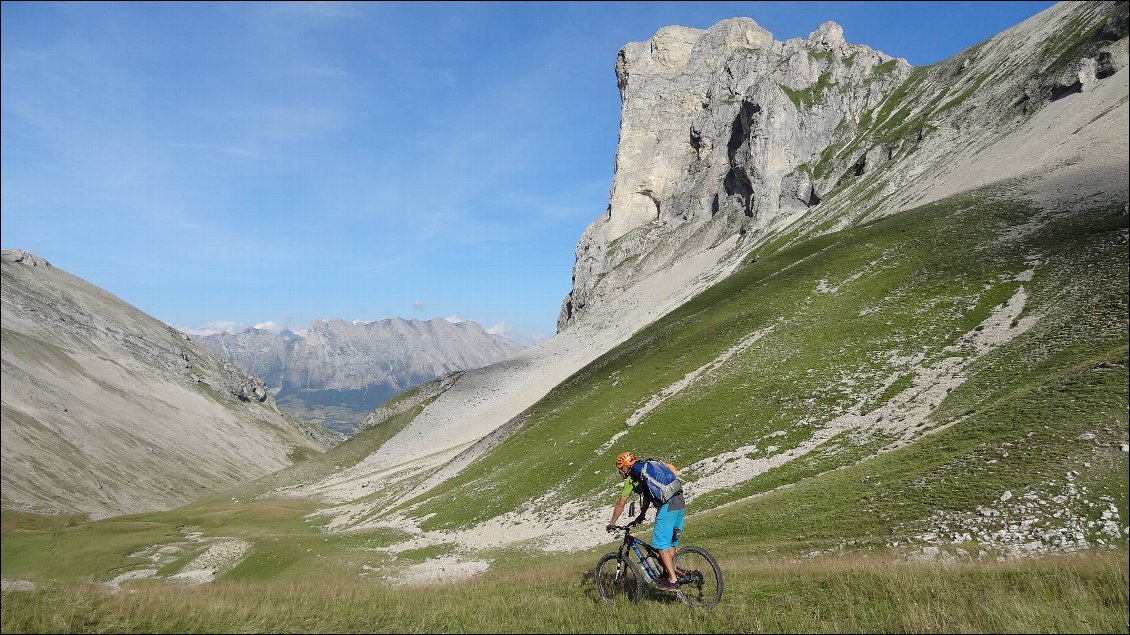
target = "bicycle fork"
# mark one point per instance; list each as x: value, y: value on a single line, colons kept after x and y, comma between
x: 622, y: 565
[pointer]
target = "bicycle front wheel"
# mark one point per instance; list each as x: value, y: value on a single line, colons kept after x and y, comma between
x: 700, y: 578
x: 618, y: 580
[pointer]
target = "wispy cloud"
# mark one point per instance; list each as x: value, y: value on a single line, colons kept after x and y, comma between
x: 273, y: 123
x: 213, y: 148
x: 314, y: 9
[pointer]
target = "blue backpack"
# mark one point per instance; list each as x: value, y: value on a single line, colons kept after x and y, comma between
x: 660, y: 481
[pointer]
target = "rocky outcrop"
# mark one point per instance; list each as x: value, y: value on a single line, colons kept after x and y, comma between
x: 727, y: 132
x: 108, y: 411
x: 720, y: 134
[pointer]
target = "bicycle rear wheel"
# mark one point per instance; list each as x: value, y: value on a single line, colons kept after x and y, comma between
x: 618, y: 580
x: 700, y: 578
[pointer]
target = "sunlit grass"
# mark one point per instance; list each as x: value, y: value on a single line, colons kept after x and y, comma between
x: 877, y: 592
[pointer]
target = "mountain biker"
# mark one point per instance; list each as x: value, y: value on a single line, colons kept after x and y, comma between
x: 668, y: 518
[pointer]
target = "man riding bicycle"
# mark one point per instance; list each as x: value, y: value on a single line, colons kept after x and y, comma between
x: 668, y: 518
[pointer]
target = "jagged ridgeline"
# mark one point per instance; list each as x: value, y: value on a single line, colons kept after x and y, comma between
x: 924, y: 337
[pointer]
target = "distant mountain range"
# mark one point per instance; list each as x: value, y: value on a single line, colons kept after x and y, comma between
x: 340, y: 371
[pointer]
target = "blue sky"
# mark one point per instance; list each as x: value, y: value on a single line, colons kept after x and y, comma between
x: 230, y: 164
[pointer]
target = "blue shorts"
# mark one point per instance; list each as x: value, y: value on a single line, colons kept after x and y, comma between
x: 666, y: 522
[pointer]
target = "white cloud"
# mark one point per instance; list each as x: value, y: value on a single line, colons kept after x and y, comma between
x: 213, y: 328
x: 233, y: 326
x: 501, y: 328
x: 505, y: 330
x: 454, y: 319
x: 418, y: 305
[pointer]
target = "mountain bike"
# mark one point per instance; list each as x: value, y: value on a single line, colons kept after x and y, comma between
x: 625, y: 574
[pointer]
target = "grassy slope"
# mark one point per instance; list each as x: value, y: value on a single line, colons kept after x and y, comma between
x: 1054, y: 400
x: 928, y: 276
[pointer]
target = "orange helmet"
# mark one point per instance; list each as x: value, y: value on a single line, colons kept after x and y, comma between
x: 626, y: 459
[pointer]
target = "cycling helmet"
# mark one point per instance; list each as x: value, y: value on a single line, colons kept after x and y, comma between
x: 626, y: 459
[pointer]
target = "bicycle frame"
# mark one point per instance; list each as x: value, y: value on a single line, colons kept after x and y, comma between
x: 633, y: 544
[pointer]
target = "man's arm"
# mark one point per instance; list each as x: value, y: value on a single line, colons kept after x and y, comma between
x: 620, y: 502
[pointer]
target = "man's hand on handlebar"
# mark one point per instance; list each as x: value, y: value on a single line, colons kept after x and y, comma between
x: 611, y: 527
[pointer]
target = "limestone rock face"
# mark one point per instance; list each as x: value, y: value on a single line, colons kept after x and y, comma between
x: 109, y: 411
x: 727, y: 132
x: 714, y: 126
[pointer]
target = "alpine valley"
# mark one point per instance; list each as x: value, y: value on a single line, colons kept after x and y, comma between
x: 876, y: 314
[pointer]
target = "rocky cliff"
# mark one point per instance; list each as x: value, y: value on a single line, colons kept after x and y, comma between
x: 728, y: 133
x: 108, y: 411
